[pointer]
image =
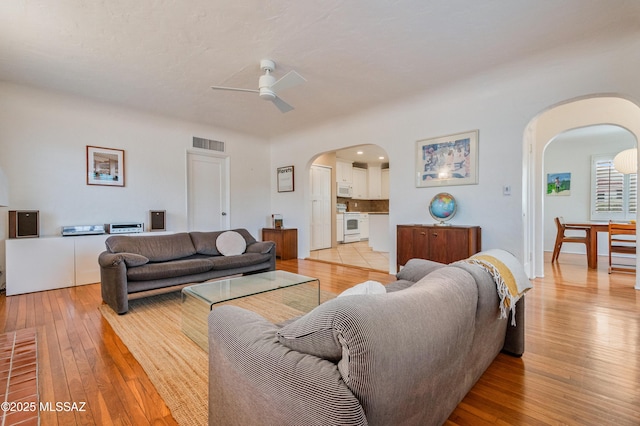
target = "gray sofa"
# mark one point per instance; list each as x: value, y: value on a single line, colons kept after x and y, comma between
x: 407, y: 357
x: 134, y: 264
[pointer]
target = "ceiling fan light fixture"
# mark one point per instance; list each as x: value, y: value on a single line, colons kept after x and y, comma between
x: 269, y: 87
x: 626, y: 161
x: 267, y: 94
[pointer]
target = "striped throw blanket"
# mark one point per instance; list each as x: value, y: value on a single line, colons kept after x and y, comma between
x: 508, y: 274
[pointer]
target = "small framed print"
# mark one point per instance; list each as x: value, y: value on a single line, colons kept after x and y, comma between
x: 559, y: 183
x: 105, y: 166
x: 285, y: 179
x: 447, y: 160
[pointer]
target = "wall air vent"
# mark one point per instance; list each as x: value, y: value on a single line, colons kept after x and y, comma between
x: 208, y: 144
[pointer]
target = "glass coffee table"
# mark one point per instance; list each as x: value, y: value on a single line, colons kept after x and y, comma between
x: 276, y: 295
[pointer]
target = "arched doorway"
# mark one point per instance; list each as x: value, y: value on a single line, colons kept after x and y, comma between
x: 367, y: 167
x: 577, y: 113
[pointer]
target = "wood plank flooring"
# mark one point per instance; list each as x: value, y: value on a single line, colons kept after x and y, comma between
x: 581, y: 365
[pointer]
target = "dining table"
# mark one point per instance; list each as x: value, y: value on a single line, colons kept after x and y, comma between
x: 593, y: 229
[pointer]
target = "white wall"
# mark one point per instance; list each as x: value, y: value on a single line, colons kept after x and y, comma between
x: 43, y: 136
x: 499, y: 104
x: 572, y: 152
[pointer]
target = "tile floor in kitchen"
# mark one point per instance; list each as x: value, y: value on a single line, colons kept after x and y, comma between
x: 355, y: 254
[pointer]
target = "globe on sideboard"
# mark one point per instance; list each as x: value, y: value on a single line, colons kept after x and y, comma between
x: 443, y: 207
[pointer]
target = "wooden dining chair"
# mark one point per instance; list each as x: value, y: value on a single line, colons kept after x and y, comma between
x: 622, y: 246
x: 562, y: 238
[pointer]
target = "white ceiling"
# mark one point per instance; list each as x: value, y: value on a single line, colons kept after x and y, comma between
x: 163, y: 55
x: 370, y: 154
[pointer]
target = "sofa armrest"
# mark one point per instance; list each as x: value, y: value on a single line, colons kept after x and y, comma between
x: 113, y: 281
x: 416, y: 269
x: 107, y: 259
x: 254, y: 379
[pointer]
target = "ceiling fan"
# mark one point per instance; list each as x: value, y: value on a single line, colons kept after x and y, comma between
x: 269, y: 87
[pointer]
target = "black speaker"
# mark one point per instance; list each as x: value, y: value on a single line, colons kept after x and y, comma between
x: 158, y: 220
x: 24, y: 224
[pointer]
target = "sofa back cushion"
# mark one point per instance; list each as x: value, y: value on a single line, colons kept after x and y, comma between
x: 205, y: 242
x: 157, y: 248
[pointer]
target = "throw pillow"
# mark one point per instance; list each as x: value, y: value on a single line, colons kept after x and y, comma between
x: 314, y: 333
x: 367, y: 287
x: 231, y: 243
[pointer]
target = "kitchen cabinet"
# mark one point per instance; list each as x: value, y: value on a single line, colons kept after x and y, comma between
x: 363, y: 226
x: 339, y: 227
x: 344, y: 171
x: 444, y: 244
x: 359, y: 183
x: 374, y: 182
x: 384, y: 184
x: 379, y: 238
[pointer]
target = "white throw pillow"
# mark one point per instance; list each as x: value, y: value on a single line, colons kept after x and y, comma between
x: 367, y: 287
x: 230, y: 243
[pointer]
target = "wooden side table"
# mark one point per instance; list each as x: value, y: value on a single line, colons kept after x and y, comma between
x: 286, y: 240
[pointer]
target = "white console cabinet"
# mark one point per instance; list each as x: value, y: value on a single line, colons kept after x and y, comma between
x: 45, y: 263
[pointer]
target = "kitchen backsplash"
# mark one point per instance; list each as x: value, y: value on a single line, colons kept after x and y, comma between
x: 367, y: 206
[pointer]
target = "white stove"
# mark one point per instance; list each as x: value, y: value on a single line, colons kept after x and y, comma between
x: 351, y: 227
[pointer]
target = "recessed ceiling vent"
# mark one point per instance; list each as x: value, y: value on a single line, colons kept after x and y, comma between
x: 209, y: 144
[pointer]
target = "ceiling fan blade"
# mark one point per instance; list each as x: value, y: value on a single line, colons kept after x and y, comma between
x: 290, y: 79
x: 235, y: 89
x: 282, y: 105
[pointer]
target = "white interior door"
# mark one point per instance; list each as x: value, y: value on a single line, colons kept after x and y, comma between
x: 320, y: 207
x: 207, y: 192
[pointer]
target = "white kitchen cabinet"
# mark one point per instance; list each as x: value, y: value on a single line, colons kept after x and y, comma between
x: 363, y: 226
x: 374, y: 179
x: 384, y: 184
x: 339, y: 227
x: 379, y: 236
x: 359, y: 183
x: 344, y: 171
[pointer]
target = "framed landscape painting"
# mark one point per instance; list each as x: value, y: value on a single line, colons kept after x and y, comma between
x: 105, y: 166
x: 447, y: 160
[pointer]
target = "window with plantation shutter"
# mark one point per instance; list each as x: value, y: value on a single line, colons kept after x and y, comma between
x: 613, y: 194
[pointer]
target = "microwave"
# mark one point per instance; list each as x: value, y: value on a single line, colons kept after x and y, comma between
x: 344, y: 190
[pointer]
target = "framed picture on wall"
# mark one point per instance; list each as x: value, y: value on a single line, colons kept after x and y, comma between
x: 559, y: 183
x: 447, y: 160
x: 285, y: 179
x: 105, y: 166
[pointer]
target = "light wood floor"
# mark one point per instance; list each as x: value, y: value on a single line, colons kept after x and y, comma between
x: 581, y: 365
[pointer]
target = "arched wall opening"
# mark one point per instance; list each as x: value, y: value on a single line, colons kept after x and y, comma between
x: 328, y: 159
x: 573, y: 114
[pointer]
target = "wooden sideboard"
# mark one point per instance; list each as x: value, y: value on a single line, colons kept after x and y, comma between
x: 444, y: 244
x: 286, y: 240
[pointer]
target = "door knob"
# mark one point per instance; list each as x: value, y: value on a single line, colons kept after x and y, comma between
x: 224, y: 213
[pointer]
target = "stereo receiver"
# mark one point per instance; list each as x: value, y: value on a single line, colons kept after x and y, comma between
x: 124, y: 228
